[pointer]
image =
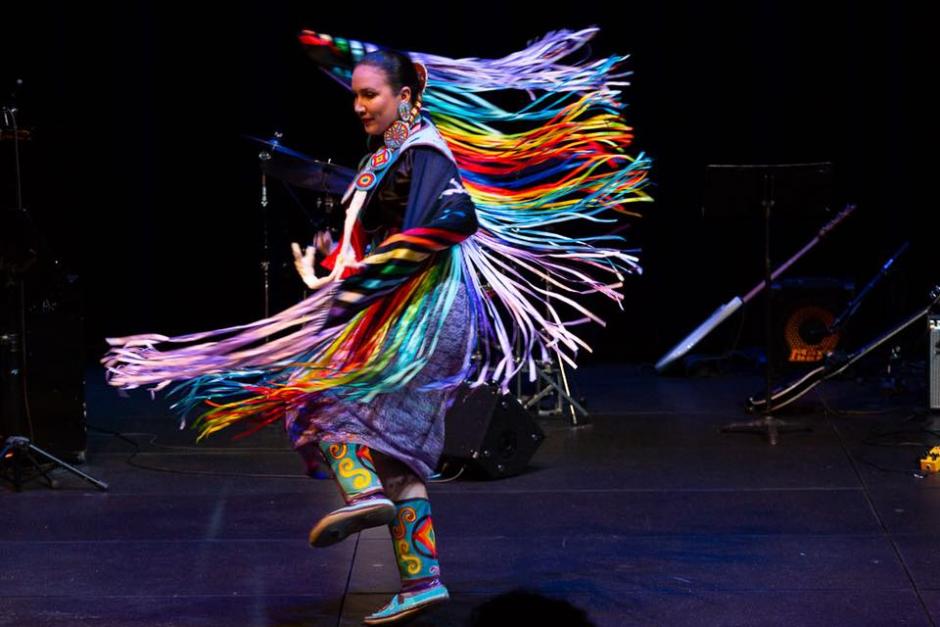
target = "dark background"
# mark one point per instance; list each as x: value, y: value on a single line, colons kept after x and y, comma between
x: 139, y: 177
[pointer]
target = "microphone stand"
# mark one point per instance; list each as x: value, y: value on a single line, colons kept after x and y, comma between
x: 18, y: 451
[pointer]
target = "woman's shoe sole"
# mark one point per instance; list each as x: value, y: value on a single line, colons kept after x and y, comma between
x: 337, y: 526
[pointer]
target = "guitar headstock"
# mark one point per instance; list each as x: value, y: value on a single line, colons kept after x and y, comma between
x: 935, y: 294
x: 842, y: 215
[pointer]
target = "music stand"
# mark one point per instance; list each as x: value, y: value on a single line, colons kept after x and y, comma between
x: 798, y: 189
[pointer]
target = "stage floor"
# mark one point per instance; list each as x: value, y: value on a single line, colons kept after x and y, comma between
x: 647, y: 516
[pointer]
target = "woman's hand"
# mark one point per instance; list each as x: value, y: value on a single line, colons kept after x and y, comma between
x: 303, y: 263
x: 324, y: 244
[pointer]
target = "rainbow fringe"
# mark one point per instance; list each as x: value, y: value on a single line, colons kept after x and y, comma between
x: 556, y: 163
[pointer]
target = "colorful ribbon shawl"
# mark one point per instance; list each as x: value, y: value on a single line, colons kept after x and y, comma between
x: 550, y: 179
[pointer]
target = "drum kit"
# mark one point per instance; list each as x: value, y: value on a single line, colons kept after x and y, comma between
x: 314, y: 186
x: 297, y: 169
x: 325, y: 181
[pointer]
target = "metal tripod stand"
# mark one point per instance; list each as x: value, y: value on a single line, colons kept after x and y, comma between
x: 552, y: 383
x: 18, y: 452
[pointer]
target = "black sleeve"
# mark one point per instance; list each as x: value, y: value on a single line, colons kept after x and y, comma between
x: 436, y: 196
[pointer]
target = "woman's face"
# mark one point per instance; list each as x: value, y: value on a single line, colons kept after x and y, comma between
x: 375, y: 102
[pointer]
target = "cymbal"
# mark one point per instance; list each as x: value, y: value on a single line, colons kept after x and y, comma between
x: 318, y: 176
x: 278, y: 148
x: 303, y: 171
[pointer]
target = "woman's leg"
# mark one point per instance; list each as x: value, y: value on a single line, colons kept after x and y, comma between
x: 413, y: 541
x: 399, y: 480
x: 366, y: 503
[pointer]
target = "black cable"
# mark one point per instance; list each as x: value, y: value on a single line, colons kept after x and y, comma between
x: 871, y: 440
x: 201, y: 449
x: 153, y: 439
x: 211, y: 473
x: 852, y: 412
x: 24, y: 369
x: 905, y: 471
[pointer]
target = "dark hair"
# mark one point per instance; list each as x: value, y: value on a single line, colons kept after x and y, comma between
x: 399, y: 70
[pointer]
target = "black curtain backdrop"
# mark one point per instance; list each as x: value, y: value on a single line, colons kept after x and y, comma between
x: 139, y: 177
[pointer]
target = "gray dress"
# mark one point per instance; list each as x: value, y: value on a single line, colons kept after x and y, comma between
x: 408, y: 424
